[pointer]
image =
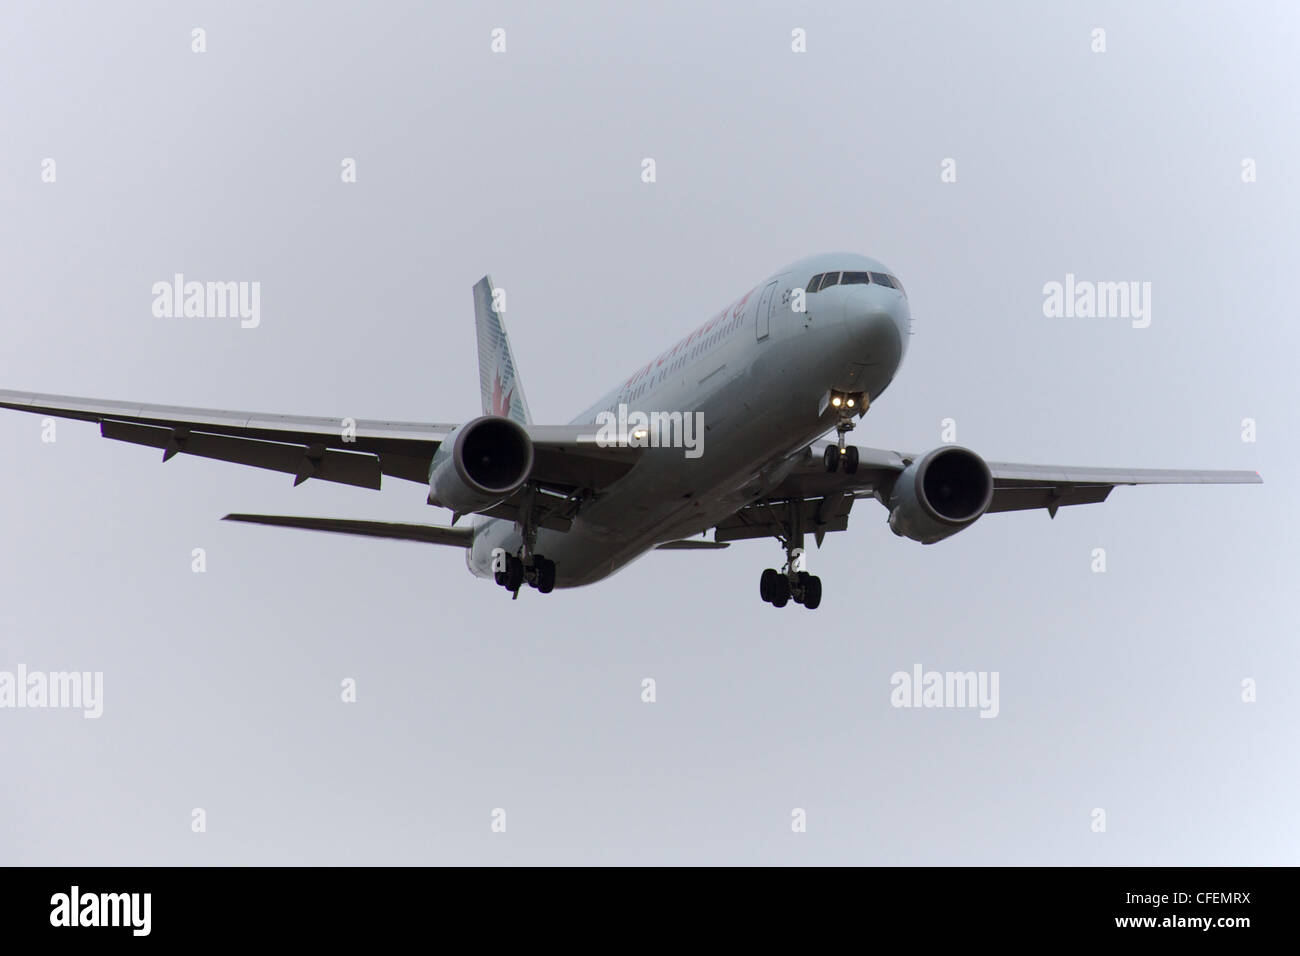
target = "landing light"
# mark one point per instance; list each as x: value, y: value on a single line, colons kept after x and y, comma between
x: 850, y: 403
x: 639, y: 434
x: 837, y: 401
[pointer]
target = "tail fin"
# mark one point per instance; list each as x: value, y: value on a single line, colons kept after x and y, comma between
x: 503, y: 393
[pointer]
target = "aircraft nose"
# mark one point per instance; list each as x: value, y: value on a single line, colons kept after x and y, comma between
x: 877, y: 318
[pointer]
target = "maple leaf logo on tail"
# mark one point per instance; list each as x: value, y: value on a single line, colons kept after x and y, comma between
x: 501, y: 403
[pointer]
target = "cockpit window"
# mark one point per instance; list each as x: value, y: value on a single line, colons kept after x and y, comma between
x: 825, y: 280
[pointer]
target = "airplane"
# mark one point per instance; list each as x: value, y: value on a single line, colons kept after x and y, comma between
x: 805, y: 352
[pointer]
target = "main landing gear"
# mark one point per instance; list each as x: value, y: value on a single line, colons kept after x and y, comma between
x: 539, y: 573
x: 778, y: 588
x: 792, y: 582
x: 848, y: 405
x: 511, y: 571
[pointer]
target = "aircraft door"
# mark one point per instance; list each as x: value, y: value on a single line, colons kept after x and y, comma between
x: 763, y: 318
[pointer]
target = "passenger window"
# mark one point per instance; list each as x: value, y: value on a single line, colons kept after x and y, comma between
x: 830, y: 279
x: 813, y: 282
x: 856, y: 278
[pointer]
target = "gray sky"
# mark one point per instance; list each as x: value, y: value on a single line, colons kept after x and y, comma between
x: 1119, y: 691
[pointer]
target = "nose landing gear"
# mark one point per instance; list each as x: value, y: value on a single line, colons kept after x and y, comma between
x: 846, y: 455
x: 848, y: 406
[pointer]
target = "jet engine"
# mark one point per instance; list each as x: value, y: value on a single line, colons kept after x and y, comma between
x: 939, y: 494
x: 480, y: 464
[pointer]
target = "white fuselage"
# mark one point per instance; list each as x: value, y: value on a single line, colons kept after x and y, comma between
x: 758, y: 372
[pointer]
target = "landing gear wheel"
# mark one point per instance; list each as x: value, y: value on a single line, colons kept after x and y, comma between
x: 767, y: 584
x: 514, y: 573
x: 545, y: 574
x: 812, y: 592
x: 832, y: 458
x: 798, y: 586
x: 780, y: 590
x: 850, y: 457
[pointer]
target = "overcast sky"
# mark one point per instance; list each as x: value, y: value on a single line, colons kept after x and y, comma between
x: 1120, y: 691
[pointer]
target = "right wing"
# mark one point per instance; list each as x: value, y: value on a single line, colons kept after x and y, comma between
x: 352, y: 452
x: 324, y: 448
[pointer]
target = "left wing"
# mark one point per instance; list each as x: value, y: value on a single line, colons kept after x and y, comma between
x: 1024, y: 487
x: 819, y: 501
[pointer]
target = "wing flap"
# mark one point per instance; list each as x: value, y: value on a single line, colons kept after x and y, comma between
x: 767, y: 519
x: 1026, y: 499
x: 347, y: 468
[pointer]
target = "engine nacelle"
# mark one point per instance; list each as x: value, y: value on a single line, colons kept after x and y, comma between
x: 480, y: 464
x: 940, y: 494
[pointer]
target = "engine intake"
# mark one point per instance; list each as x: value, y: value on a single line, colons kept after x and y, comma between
x: 480, y: 464
x: 940, y: 494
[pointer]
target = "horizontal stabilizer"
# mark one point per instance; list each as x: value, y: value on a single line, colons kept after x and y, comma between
x: 427, y: 533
